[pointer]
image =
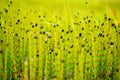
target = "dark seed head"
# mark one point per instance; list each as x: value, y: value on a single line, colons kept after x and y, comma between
x: 112, y: 24
x: 71, y: 31
x: 69, y: 52
x: 39, y: 16
x: 54, y: 76
x: 44, y: 16
x: 84, y: 18
x: 62, y: 30
x: 7, y: 44
x: 80, y: 22
x: 88, y: 21
x: 56, y: 54
x: 57, y: 24
x: 32, y: 26
x: 103, y: 35
x: 46, y: 41
x: 102, y: 24
x: 41, y: 26
x: 0, y: 12
x: 19, y: 76
x: 35, y: 37
x: 87, y: 51
x: 82, y: 28
x: 80, y: 34
x: 67, y: 32
x: 116, y: 47
x: 105, y: 18
x: 37, y: 55
x: 1, y: 50
x: 37, y: 51
x: 16, y: 34
x: 52, y: 50
x: 4, y: 32
x: 65, y: 78
x: 18, y: 20
x: 77, y: 63
x: 111, y: 43
x: 5, y: 21
x: 10, y: 2
x: 27, y: 31
x: 76, y: 23
x: 111, y: 52
x: 43, y: 32
x: 104, y: 48
x: 58, y: 42
x: 68, y: 39
x: 49, y: 36
x: 117, y: 70
x: 40, y: 32
x: 100, y: 35
x: 24, y: 17
x: 16, y: 23
x: 87, y: 68
x: 36, y: 24
x: 72, y: 46
x: 62, y: 40
x: 6, y: 10
x: 9, y: 5
x: 95, y: 26
x: 109, y: 19
x: 82, y: 45
x: 22, y: 37
x: 18, y: 40
x: 106, y: 35
x: 98, y: 27
x: 1, y: 41
x: 90, y: 53
x: 61, y: 36
x: 76, y: 37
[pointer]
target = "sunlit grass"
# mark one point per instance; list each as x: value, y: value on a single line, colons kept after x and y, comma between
x: 59, y: 40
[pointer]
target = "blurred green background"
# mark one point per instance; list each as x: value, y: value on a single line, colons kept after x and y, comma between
x: 110, y: 7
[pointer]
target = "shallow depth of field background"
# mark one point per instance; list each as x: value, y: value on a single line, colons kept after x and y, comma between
x: 59, y: 39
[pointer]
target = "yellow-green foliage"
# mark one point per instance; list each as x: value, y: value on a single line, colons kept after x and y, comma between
x: 59, y: 40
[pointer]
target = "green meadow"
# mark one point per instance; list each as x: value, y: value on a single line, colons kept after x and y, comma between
x: 59, y: 40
